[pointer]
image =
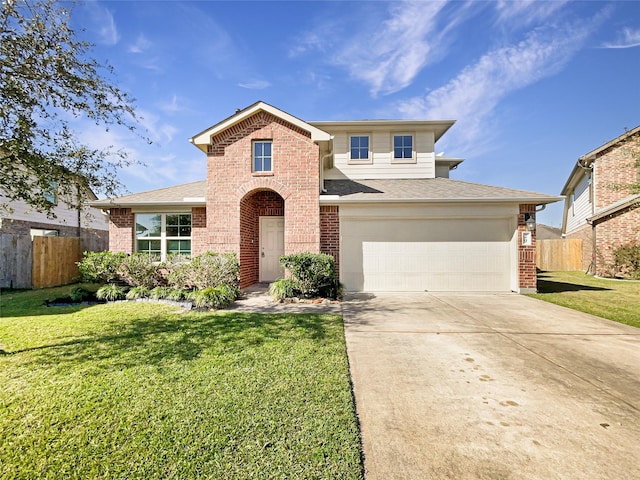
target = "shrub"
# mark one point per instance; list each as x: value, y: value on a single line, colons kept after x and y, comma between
x: 159, y: 293
x: 206, y: 270
x: 139, y: 270
x: 176, y: 295
x: 215, y: 297
x: 78, y: 293
x: 111, y: 292
x: 284, y: 288
x: 626, y: 260
x: 100, y: 267
x: 138, y: 292
x: 314, y: 274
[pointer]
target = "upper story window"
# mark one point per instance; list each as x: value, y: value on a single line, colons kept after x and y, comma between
x: 262, y: 156
x: 403, y: 148
x: 163, y: 234
x: 359, y: 149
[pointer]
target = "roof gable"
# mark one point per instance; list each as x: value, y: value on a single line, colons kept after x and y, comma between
x: 203, y: 139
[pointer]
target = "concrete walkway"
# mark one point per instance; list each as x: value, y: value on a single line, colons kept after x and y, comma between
x: 492, y: 387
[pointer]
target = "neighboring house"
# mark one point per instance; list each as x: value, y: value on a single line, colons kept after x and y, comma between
x: 21, y: 223
x: 371, y: 193
x: 600, y: 208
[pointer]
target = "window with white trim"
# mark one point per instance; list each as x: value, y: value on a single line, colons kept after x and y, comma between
x: 359, y: 151
x: 262, y: 156
x: 163, y: 234
x: 403, y: 147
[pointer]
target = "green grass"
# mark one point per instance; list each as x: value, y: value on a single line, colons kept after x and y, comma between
x: 143, y: 391
x: 617, y: 300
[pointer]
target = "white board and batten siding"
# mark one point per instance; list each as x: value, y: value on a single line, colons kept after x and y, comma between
x: 429, y: 248
x: 382, y: 164
x: 580, y: 207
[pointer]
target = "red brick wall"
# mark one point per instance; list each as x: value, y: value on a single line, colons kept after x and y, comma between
x: 121, y: 234
x: 527, y: 277
x: 295, y: 178
x: 612, y: 233
x: 330, y: 232
x: 614, y: 170
x: 199, y: 234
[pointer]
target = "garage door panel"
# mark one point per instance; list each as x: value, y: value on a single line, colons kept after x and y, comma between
x: 411, y: 255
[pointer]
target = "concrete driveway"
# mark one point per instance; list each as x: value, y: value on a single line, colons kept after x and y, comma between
x: 492, y: 387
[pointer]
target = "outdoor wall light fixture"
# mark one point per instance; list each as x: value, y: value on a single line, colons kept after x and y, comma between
x: 530, y: 221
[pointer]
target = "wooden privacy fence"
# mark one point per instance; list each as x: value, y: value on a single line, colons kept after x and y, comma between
x: 559, y: 254
x: 54, y: 261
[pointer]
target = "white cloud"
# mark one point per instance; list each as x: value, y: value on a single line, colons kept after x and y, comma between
x: 389, y: 56
x: 526, y: 12
x: 474, y: 94
x: 158, y: 131
x: 171, y: 106
x: 103, y: 24
x: 628, y: 38
x: 141, y: 45
x: 255, y: 85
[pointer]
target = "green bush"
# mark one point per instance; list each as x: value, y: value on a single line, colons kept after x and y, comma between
x: 138, y: 292
x: 206, y: 270
x: 79, y: 293
x: 627, y: 260
x: 139, y: 270
x: 314, y: 274
x: 100, y: 267
x: 159, y: 293
x: 215, y: 297
x: 284, y: 288
x: 176, y: 295
x: 111, y: 292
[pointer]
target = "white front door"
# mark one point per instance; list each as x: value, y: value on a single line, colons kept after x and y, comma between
x: 271, y: 248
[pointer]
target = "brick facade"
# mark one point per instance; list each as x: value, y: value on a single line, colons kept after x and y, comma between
x: 612, y: 232
x: 199, y: 234
x: 614, y: 170
x: 527, y: 273
x: 330, y: 232
x: 121, y: 230
x: 295, y: 177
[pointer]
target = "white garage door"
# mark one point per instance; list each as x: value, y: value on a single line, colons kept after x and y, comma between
x: 433, y: 255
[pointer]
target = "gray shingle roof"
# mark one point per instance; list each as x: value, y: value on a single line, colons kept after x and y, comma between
x: 185, y: 194
x: 429, y: 189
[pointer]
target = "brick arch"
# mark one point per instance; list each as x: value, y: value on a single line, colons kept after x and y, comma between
x: 263, y: 183
x: 259, y: 202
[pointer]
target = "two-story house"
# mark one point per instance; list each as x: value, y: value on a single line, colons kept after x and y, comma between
x: 601, y: 208
x: 371, y: 193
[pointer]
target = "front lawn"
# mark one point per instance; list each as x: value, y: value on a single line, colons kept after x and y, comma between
x: 143, y: 391
x: 617, y: 300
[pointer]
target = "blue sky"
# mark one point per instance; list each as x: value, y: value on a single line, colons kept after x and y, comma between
x: 532, y: 84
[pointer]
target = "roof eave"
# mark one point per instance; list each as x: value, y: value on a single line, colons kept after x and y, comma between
x: 335, y: 199
x: 107, y: 205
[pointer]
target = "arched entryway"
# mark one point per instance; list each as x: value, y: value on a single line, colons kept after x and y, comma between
x: 261, y: 236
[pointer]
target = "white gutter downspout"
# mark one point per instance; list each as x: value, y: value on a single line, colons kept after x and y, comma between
x: 322, y: 159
